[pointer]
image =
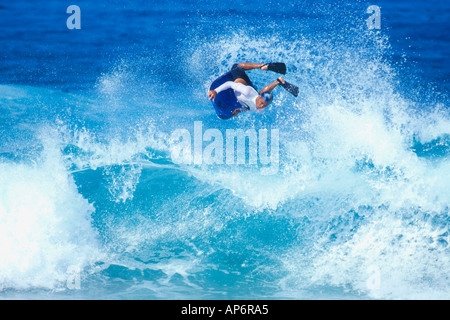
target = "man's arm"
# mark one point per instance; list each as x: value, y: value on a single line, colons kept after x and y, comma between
x: 272, y: 86
x: 239, y: 87
x: 239, y: 110
x: 213, y: 93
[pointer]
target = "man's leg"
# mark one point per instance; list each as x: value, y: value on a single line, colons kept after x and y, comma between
x: 239, y: 75
x: 250, y: 66
x: 240, y: 80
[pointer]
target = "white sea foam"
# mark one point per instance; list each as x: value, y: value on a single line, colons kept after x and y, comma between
x: 45, y: 230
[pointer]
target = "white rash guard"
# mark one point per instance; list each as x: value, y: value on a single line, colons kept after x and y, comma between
x: 246, y: 95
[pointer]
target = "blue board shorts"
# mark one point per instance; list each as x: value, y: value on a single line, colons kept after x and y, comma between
x: 237, y: 72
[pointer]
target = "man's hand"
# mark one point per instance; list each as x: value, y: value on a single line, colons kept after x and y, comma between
x: 212, y: 94
x: 236, y: 112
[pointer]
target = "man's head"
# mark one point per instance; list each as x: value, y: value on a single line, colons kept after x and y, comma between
x: 263, y: 100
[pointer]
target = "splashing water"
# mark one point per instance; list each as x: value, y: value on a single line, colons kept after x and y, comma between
x: 359, y: 206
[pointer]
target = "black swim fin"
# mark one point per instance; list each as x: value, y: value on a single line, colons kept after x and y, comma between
x: 289, y: 87
x: 278, y: 67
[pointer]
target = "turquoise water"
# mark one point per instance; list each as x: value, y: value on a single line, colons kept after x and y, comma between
x: 93, y: 203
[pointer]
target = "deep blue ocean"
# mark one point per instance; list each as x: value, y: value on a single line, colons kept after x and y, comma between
x: 93, y: 204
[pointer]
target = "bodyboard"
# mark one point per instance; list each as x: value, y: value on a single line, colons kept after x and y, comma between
x: 225, y: 102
